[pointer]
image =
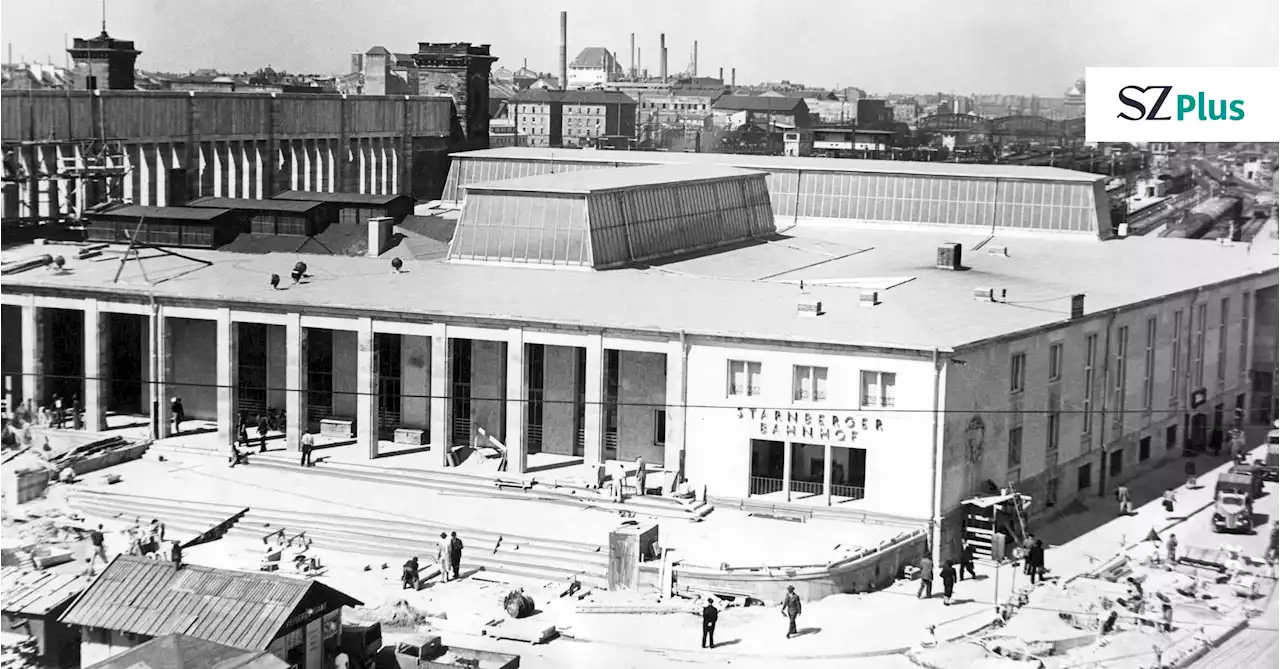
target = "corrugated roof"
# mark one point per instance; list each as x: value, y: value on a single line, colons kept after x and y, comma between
x: 368, y: 199
x: 590, y: 181
x: 153, y: 597
x: 778, y: 105
x: 903, y: 167
x: 175, y: 651
x: 246, y: 204
x: 171, y: 213
x: 39, y: 593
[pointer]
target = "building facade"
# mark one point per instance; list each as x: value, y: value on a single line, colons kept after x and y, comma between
x: 103, y: 63
x: 571, y: 118
x: 595, y: 65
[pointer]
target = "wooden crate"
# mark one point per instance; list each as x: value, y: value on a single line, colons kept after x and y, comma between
x: 337, y: 428
x: 410, y: 436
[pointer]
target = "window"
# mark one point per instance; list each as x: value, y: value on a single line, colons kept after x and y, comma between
x: 1202, y: 317
x: 1122, y: 358
x: 1149, y: 366
x: 1084, y: 476
x: 1015, y: 447
x: 1052, y: 429
x: 659, y: 427
x: 1144, y: 449
x: 744, y: 378
x: 1244, y: 333
x: 878, y: 389
x: 1017, y: 372
x: 1090, y: 352
x: 1051, y: 492
x: 1117, y: 462
x: 810, y: 384
x: 1177, y: 354
x: 1055, y: 362
x: 1222, y: 339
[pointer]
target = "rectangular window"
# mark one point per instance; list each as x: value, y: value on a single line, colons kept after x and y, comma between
x: 1149, y: 366
x: 1055, y: 362
x: 878, y: 389
x: 1222, y: 339
x: 1245, y: 309
x: 1122, y: 358
x: 659, y: 427
x: 1202, y: 319
x: 1177, y: 355
x: 744, y: 378
x: 1017, y: 372
x: 1052, y: 430
x: 810, y: 384
x: 1144, y: 449
x: 1084, y: 476
x: 1015, y: 447
x: 1090, y: 353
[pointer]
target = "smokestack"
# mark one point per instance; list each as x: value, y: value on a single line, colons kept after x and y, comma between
x: 733, y: 77
x: 722, y: 75
x: 695, y: 58
x: 564, y: 51
x: 633, y: 56
x: 639, y: 66
x: 662, y: 55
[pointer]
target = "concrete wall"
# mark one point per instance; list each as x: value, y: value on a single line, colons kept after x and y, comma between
x: 345, y: 369
x: 560, y: 376
x: 1266, y: 343
x: 194, y: 376
x: 276, y: 360
x: 721, y: 427
x: 488, y: 386
x: 11, y: 348
x: 92, y: 652
x: 642, y: 389
x: 415, y: 381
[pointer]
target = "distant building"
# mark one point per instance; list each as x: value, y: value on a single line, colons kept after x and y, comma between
x: 906, y: 111
x: 218, y: 84
x: 594, y: 65
x: 1073, y: 101
x: 737, y: 110
x: 831, y: 111
x: 552, y: 118
x: 545, y: 82
x: 524, y: 77
x: 874, y: 114
x: 386, y: 73
x: 103, y: 62
x: 503, y: 76
x: 503, y: 132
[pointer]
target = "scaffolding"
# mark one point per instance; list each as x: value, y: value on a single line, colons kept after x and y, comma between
x: 85, y: 173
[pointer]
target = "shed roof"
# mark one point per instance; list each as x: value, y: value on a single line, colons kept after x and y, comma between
x: 591, y: 181
x: 246, y: 204
x: 761, y: 103
x: 176, y: 651
x: 39, y: 593
x: 367, y: 199
x: 154, y: 598
x: 134, y: 211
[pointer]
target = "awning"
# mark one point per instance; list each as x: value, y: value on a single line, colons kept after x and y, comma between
x: 996, y: 500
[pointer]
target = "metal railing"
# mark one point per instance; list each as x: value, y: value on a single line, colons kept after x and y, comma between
x: 533, y: 437
x: 807, y: 487
x: 849, y: 491
x: 763, y: 485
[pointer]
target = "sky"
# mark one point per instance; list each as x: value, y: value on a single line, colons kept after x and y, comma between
x: 894, y: 46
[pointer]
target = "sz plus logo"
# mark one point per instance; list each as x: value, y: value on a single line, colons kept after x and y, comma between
x: 1160, y: 103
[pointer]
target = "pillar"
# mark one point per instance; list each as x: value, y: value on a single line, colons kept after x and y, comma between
x: 96, y: 338
x: 228, y: 367
x: 786, y: 470
x: 593, y: 420
x: 164, y: 157
x: 361, y: 167
x: 161, y: 363
x: 827, y: 454
x: 441, y: 403
x: 673, y: 453
x: 367, y: 389
x: 295, y: 376
x: 32, y: 360
x: 517, y: 396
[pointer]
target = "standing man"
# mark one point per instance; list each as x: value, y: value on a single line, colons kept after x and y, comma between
x: 1122, y: 496
x: 1028, y: 544
x: 1173, y: 549
x: 442, y: 557
x: 1190, y: 469
x: 76, y: 419
x: 966, y: 559
x: 926, y: 579
x: 308, y: 443
x: 791, y: 609
x: 262, y: 434
x: 98, y: 546
x: 455, y: 554
x: 1169, y: 498
x: 948, y: 582
x: 58, y: 416
x: 179, y: 414
x: 709, y: 616
x: 1036, y: 560
x: 640, y: 477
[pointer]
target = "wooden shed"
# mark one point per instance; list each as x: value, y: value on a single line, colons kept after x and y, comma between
x: 32, y: 603
x: 197, y: 227
x: 356, y: 208
x: 275, y: 217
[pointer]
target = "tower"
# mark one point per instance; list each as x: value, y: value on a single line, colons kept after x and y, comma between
x: 461, y: 71
x: 103, y: 62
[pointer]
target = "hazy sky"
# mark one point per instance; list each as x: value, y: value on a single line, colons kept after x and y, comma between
x: 1014, y: 46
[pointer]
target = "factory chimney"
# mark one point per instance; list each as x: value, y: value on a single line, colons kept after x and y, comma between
x: 722, y: 75
x: 633, y: 56
x: 695, y: 58
x: 564, y: 51
x: 662, y: 55
x: 639, y: 64
x: 733, y: 77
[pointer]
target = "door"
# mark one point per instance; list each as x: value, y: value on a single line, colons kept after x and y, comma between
x: 1117, y: 463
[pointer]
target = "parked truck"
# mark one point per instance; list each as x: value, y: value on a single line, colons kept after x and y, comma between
x: 1233, y: 503
x: 1271, y: 466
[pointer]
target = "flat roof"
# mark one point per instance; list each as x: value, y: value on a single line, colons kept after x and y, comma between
x: 900, y: 167
x: 589, y: 181
x: 246, y: 204
x: 340, y: 198
x: 720, y: 294
x: 172, y: 213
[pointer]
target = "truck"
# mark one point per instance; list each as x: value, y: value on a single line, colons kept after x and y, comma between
x: 1271, y: 466
x: 1233, y: 503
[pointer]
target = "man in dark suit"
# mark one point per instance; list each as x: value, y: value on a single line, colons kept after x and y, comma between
x: 709, y: 616
x: 455, y: 553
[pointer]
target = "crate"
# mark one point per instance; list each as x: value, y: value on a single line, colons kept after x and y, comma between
x: 410, y: 437
x: 337, y: 428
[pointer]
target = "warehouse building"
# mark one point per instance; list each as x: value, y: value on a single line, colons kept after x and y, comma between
x: 889, y: 373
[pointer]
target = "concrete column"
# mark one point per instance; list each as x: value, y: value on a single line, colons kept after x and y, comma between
x: 32, y: 360
x: 517, y: 396
x: 786, y: 470
x: 394, y: 166
x: 673, y: 452
x: 826, y: 473
x: 161, y: 362
x: 441, y: 402
x: 96, y: 338
x: 228, y: 343
x: 331, y: 159
x: 295, y: 378
x: 367, y: 387
x: 593, y: 419
x: 163, y: 157
x: 384, y: 168
x: 361, y: 167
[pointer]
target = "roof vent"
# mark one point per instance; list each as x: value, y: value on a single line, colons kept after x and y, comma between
x: 949, y: 256
x: 998, y: 251
x: 1077, y: 306
x: 986, y: 294
x: 809, y: 308
x: 868, y: 298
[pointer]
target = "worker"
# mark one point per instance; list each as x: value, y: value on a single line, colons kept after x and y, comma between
x: 1169, y: 498
x: 948, y: 582
x: 1190, y: 469
x: 442, y: 556
x: 308, y: 443
x: 791, y: 609
x: 455, y: 554
x: 1027, y: 544
x: 1036, y: 559
x: 98, y: 545
x: 966, y: 559
x: 1173, y: 549
x: 409, y: 577
x: 640, y: 474
x: 1273, y: 546
x: 262, y: 434
x: 926, y: 578
x: 179, y: 414
x: 341, y: 661
x: 75, y: 413
x: 709, y: 616
x: 1122, y: 497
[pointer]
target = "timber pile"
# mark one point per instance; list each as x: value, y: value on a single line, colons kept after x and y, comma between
x: 88, y: 450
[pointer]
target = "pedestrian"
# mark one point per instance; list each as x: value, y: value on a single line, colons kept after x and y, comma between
x: 75, y: 413
x: 58, y: 418
x: 262, y: 434
x: 1122, y: 497
x: 455, y: 554
x: 966, y: 560
x: 1190, y: 470
x: 791, y: 609
x: 98, y: 545
x: 308, y: 443
x: 442, y: 557
x: 640, y: 474
x: 179, y: 414
x: 710, y: 614
x: 1036, y: 558
x: 1169, y: 499
x: 948, y: 582
x: 1273, y: 546
x: 1027, y: 544
x: 1106, y: 620
x: 1173, y: 549
x: 926, y: 579
x: 237, y: 455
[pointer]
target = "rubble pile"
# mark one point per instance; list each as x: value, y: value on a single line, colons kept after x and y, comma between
x: 395, y: 615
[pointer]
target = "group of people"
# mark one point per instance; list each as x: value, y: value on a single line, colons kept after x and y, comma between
x: 448, y: 556
x: 146, y: 541
x: 950, y: 573
x: 56, y: 415
x: 243, y: 444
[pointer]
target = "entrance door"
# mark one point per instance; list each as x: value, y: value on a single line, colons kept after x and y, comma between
x: 1199, y: 431
x: 767, y: 466
x: 1117, y: 462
